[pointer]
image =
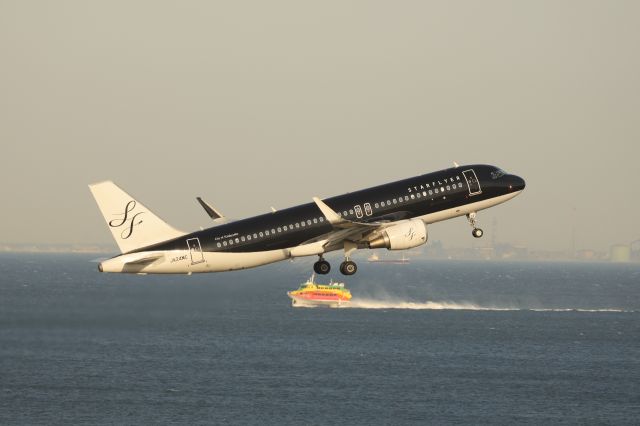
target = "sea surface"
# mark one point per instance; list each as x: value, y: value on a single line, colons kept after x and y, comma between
x: 431, y: 342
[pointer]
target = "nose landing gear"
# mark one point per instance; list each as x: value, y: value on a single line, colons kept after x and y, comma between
x: 477, y: 232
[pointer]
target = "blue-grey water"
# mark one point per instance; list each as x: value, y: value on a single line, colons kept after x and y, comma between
x: 518, y: 343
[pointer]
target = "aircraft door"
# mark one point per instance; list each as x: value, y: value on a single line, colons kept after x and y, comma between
x: 472, y: 182
x: 358, y: 210
x: 195, y: 250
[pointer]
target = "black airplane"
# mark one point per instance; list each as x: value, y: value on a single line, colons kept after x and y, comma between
x: 393, y: 216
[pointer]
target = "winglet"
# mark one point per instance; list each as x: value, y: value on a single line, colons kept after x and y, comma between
x: 333, y: 217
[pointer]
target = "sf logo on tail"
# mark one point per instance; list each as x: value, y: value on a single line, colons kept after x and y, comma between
x: 126, y: 220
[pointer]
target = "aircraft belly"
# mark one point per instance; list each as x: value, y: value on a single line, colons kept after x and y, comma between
x: 181, y: 262
x: 466, y: 208
x: 218, y: 262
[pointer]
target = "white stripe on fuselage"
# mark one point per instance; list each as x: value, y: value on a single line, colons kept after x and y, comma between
x: 179, y: 261
x: 466, y: 209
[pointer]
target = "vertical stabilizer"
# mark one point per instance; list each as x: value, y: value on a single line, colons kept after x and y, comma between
x: 132, y: 225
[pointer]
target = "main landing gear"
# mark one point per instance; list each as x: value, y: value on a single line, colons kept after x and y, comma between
x: 348, y: 267
x: 322, y: 267
x: 477, y: 232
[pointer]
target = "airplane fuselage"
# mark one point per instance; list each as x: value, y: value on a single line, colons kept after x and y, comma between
x: 304, y: 230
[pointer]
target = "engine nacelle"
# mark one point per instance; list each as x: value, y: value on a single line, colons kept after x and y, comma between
x: 405, y: 235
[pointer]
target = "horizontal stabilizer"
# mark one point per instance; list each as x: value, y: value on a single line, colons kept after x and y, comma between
x: 146, y: 259
x: 211, y: 211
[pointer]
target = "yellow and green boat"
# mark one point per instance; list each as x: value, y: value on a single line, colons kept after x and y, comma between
x: 311, y: 294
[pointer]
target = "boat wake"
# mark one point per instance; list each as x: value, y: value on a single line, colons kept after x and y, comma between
x: 432, y: 305
x: 358, y: 303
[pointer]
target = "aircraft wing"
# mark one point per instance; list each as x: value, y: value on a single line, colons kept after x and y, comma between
x: 338, y: 221
x: 345, y: 230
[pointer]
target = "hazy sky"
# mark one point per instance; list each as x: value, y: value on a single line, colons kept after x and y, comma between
x: 251, y: 104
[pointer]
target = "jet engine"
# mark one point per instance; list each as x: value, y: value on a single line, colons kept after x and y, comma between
x: 405, y: 235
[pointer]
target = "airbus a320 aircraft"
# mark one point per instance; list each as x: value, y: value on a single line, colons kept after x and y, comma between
x: 393, y: 216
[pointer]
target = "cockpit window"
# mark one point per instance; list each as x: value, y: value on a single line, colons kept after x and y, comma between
x: 498, y: 174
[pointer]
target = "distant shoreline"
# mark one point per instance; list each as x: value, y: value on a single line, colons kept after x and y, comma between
x: 103, y: 250
x: 54, y: 248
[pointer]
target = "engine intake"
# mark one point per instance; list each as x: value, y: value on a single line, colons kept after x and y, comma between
x: 405, y: 235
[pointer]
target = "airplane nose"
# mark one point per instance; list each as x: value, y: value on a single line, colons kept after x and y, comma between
x: 517, y: 183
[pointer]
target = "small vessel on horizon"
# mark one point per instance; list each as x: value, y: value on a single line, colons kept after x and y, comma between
x: 312, y: 294
x: 374, y: 258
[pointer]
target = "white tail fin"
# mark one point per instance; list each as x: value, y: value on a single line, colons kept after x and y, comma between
x: 133, y: 225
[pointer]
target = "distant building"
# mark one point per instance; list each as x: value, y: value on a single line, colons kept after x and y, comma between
x: 586, y: 254
x: 620, y: 253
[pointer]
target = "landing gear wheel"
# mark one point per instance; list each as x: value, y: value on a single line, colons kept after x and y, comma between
x: 477, y: 232
x: 322, y: 267
x: 348, y: 267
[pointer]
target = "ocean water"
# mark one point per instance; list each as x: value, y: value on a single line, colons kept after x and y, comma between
x: 425, y: 343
